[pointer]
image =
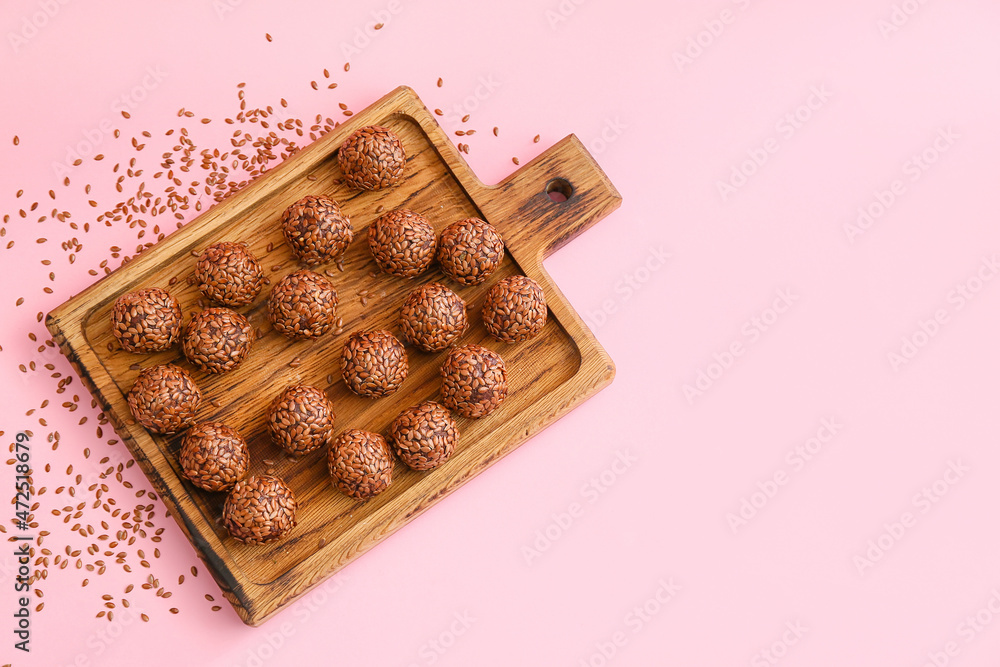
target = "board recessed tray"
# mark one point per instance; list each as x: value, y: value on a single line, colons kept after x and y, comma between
x: 548, y: 375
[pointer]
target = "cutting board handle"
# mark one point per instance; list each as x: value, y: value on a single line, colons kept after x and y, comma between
x: 551, y: 200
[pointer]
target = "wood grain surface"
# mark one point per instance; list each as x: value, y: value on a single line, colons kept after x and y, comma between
x: 548, y: 375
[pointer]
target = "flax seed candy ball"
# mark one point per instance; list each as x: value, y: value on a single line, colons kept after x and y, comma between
x: 259, y: 509
x: 372, y: 158
x: 303, y: 305
x: 217, y: 340
x: 402, y: 242
x: 360, y: 463
x: 229, y: 274
x: 214, y: 456
x: 164, y: 398
x: 316, y: 229
x: 515, y: 309
x: 424, y: 436
x: 147, y: 320
x: 300, y: 419
x: 470, y: 250
x: 373, y: 363
x: 474, y: 381
x: 433, y: 317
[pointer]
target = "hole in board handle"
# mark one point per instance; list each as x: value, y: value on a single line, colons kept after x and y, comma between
x: 559, y: 190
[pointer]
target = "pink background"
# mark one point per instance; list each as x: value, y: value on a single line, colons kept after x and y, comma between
x: 652, y: 565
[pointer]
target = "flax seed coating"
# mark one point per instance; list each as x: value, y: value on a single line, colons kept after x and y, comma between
x: 259, y: 509
x: 217, y: 340
x: 316, y: 229
x: 214, y: 456
x: 229, y: 274
x: 474, y: 381
x: 470, y: 250
x: 164, y: 398
x: 300, y: 419
x: 372, y: 158
x: 433, y: 317
x: 303, y: 305
x: 360, y: 463
x: 373, y: 363
x: 515, y: 309
x: 424, y: 436
x: 402, y: 242
x: 147, y: 320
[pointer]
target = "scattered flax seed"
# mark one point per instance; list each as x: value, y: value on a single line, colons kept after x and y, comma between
x: 126, y: 114
x: 496, y: 131
x: 440, y: 82
x: 332, y: 86
x: 465, y: 118
x: 438, y: 112
x: 322, y: 542
x: 347, y: 67
x: 315, y: 86
x: 537, y: 138
x: 379, y: 26
x: 295, y: 363
x: 268, y: 35
x: 515, y: 160
x: 145, y: 619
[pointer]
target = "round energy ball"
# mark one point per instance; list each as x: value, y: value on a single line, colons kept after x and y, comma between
x: 259, y: 509
x: 300, y: 419
x: 316, y: 229
x: 303, y: 305
x: 164, y: 398
x: 424, y: 436
x: 372, y: 158
x: 373, y: 363
x: 433, y: 317
x: 214, y: 456
x: 229, y: 274
x: 402, y: 242
x: 474, y: 381
x: 147, y: 320
x: 470, y: 250
x: 217, y: 340
x: 360, y: 463
x: 515, y: 309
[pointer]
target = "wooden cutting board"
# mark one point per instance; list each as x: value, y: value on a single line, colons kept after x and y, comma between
x: 548, y: 375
